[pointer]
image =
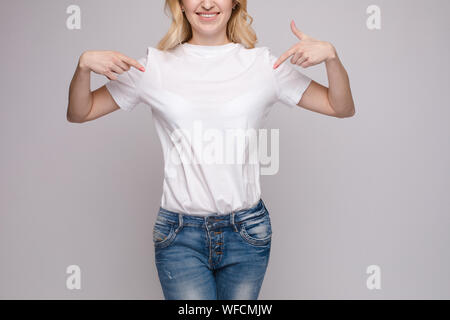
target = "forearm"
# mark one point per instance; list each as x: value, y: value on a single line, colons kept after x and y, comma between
x: 339, y: 92
x: 80, y: 95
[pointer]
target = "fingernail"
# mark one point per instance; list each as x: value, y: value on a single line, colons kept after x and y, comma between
x: 275, y: 66
x: 142, y: 69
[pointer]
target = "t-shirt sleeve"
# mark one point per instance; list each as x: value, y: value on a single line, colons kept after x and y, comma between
x: 290, y: 82
x: 126, y: 90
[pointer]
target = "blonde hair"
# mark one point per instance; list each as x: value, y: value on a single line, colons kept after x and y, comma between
x: 180, y: 31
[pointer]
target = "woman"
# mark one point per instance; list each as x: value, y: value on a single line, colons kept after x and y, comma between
x: 212, y: 235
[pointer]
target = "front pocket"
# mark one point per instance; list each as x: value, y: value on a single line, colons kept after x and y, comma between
x: 163, y: 232
x: 257, y: 231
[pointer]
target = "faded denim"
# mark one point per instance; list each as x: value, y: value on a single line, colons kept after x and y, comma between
x: 214, y: 257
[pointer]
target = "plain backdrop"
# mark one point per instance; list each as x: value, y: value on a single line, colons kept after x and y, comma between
x: 350, y: 193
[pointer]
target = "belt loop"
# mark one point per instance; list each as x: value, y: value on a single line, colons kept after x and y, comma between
x: 180, y: 222
x: 232, y: 221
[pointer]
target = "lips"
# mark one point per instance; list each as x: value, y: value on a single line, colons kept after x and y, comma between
x: 199, y: 13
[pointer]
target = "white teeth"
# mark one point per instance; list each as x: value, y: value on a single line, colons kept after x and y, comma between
x: 208, y: 15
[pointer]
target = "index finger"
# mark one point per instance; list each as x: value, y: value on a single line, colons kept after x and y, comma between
x: 132, y: 62
x: 283, y: 57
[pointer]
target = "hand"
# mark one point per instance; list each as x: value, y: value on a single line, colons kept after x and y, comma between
x: 308, y: 52
x: 107, y: 62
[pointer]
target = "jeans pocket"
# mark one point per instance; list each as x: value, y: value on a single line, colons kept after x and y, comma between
x: 163, y: 232
x: 257, y: 231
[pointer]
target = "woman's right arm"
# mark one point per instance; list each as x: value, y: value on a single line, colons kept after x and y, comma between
x: 85, y: 105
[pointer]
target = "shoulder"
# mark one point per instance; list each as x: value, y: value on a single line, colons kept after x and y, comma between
x: 162, y: 56
x: 255, y: 50
x: 152, y: 51
x: 268, y: 53
x: 266, y: 56
x: 261, y: 54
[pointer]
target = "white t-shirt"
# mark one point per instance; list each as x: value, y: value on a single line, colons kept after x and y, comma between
x: 208, y: 104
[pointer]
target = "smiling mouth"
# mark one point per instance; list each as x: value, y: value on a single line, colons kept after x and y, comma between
x: 213, y: 14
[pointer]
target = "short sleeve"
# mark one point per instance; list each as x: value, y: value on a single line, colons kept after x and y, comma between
x: 126, y: 89
x: 290, y: 82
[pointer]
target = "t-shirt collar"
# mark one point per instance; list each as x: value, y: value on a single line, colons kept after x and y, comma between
x: 208, y: 50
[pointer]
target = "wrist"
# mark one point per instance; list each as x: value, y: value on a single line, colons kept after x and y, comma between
x: 82, y: 63
x: 332, y: 53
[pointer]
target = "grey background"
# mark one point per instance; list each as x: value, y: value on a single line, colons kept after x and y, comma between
x: 371, y: 189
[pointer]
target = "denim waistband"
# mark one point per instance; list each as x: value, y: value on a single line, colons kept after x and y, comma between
x: 234, y: 216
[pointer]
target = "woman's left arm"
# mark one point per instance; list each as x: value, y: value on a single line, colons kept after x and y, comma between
x: 336, y: 100
x: 339, y: 92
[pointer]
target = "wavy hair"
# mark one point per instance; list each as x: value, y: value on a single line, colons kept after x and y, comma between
x: 239, y: 30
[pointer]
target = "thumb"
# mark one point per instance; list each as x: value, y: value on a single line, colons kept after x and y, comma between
x: 297, y: 32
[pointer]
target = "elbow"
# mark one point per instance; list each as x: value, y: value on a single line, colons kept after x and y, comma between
x: 71, y: 119
x: 68, y: 117
x: 350, y: 112
x: 74, y: 121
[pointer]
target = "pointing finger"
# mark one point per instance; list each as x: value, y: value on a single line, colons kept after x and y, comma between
x: 123, y: 65
x: 132, y: 62
x: 284, y: 57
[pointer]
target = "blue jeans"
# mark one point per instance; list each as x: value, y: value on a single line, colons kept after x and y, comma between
x: 214, y: 257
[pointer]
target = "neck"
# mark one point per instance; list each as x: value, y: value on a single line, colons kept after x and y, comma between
x: 208, y: 42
